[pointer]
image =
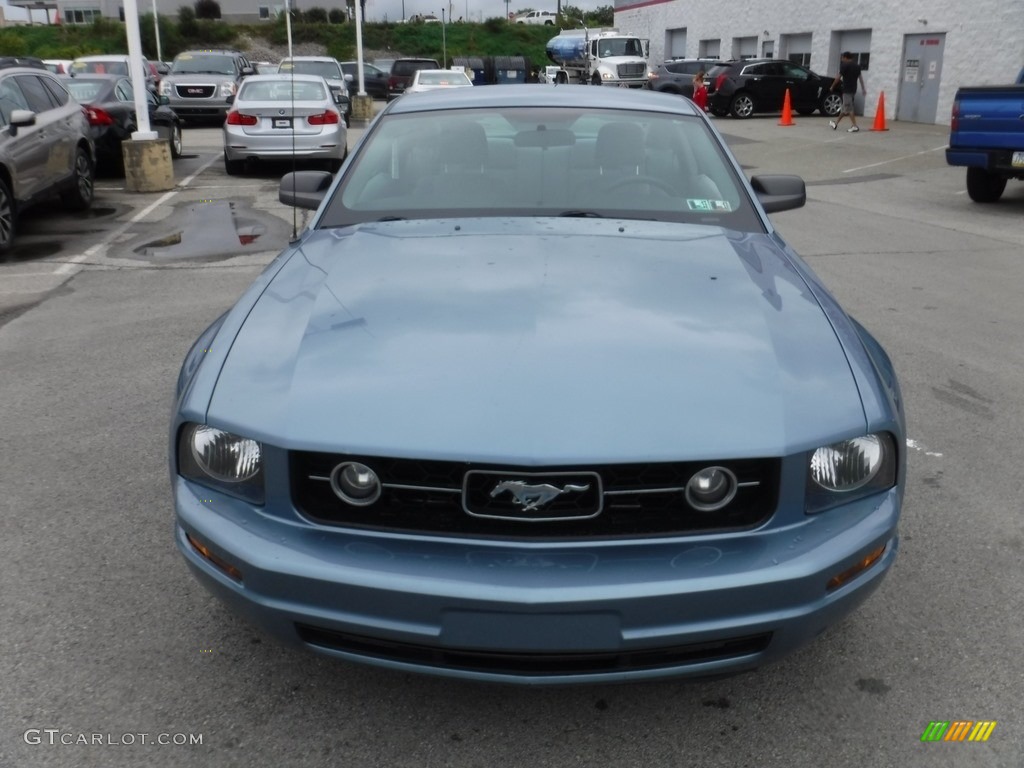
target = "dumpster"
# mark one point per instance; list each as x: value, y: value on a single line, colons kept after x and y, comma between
x: 509, y: 69
x: 474, y: 66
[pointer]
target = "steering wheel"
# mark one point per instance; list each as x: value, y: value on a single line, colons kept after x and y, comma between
x: 627, y: 181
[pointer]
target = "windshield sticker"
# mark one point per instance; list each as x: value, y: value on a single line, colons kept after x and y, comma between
x: 700, y: 204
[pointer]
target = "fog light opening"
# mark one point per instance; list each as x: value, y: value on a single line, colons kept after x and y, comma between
x: 216, y: 560
x: 851, y: 573
x: 355, y: 484
x: 711, y: 489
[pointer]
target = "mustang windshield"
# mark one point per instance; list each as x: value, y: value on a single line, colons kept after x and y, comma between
x: 542, y: 161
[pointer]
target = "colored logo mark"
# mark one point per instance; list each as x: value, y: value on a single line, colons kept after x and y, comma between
x: 958, y: 730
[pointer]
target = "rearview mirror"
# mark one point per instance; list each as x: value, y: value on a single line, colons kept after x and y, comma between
x: 545, y: 137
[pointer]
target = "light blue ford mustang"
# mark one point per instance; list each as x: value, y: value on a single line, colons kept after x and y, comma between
x: 540, y: 396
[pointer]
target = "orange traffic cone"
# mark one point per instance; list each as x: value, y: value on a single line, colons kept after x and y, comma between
x: 880, y: 114
x: 787, y: 111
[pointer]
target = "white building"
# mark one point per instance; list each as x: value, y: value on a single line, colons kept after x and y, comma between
x: 918, y: 52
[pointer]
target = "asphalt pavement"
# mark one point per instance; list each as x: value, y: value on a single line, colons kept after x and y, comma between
x: 111, y: 648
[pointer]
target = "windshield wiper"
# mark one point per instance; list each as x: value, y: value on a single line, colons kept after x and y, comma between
x: 582, y: 214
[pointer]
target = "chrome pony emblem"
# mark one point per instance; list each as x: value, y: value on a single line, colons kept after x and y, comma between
x: 531, y: 497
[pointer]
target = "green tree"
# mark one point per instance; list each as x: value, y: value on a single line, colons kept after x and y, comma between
x: 336, y: 16
x: 207, y: 9
x: 187, y: 25
x: 603, y: 16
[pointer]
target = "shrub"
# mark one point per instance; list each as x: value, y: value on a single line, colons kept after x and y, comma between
x: 207, y: 9
x: 315, y: 16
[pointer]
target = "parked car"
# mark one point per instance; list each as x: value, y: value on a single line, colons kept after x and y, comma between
x: 110, y: 108
x: 284, y: 117
x: 375, y: 79
x: 986, y: 139
x: 45, y: 147
x: 401, y: 74
x: 434, y: 79
x: 115, y: 64
x: 200, y: 82
x: 744, y: 87
x: 384, y: 65
x: 59, y: 66
x: 6, y: 62
x: 676, y: 75
x: 326, y: 67
x: 548, y: 18
x: 540, y: 396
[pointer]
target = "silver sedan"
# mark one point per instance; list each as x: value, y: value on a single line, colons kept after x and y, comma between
x: 284, y: 117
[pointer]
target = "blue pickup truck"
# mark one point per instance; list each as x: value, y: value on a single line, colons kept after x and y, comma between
x: 986, y: 134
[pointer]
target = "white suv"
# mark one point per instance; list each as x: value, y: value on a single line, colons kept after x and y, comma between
x: 549, y: 18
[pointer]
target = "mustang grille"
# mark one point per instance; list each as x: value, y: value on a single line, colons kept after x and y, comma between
x: 195, y: 91
x: 464, y: 499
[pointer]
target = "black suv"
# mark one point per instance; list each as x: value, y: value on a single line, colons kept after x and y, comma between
x: 375, y: 79
x: 402, y: 71
x: 676, y: 75
x: 741, y: 88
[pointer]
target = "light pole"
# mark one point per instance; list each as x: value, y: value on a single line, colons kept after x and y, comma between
x: 444, y: 43
x: 156, y: 31
x: 288, y: 27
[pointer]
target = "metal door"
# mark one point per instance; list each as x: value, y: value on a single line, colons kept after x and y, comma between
x: 920, y: 78
x: 676, y: 47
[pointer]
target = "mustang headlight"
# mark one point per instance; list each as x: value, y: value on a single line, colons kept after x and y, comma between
x: 219, y: 459
x: 850, y: 469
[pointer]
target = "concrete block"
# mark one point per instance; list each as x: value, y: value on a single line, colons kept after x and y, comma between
x: 147, y: 165
x: 362, y: 107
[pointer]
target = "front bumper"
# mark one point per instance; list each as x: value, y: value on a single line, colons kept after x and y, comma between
x: 538, y: 613
x: 209, y: 109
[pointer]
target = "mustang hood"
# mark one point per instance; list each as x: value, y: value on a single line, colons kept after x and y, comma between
x: 538, y: 341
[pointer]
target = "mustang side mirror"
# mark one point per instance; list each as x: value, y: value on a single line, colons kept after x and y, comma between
x: 304, y: 189
x: 779, y: 192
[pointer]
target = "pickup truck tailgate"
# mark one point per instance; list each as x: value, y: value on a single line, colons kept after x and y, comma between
x: 989, y: 118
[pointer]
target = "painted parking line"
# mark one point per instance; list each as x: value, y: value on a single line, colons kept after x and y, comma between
x: 73, y: 264
x: 895, y: 159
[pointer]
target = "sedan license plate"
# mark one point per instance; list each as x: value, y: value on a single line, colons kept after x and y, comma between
x: 282, y: 122
x: 1017, y: 161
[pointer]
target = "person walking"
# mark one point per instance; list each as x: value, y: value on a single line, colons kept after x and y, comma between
x: 700, y: 91
x: 849, y: 75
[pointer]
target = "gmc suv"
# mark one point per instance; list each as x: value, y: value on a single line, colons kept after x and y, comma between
x: 199, y: 82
